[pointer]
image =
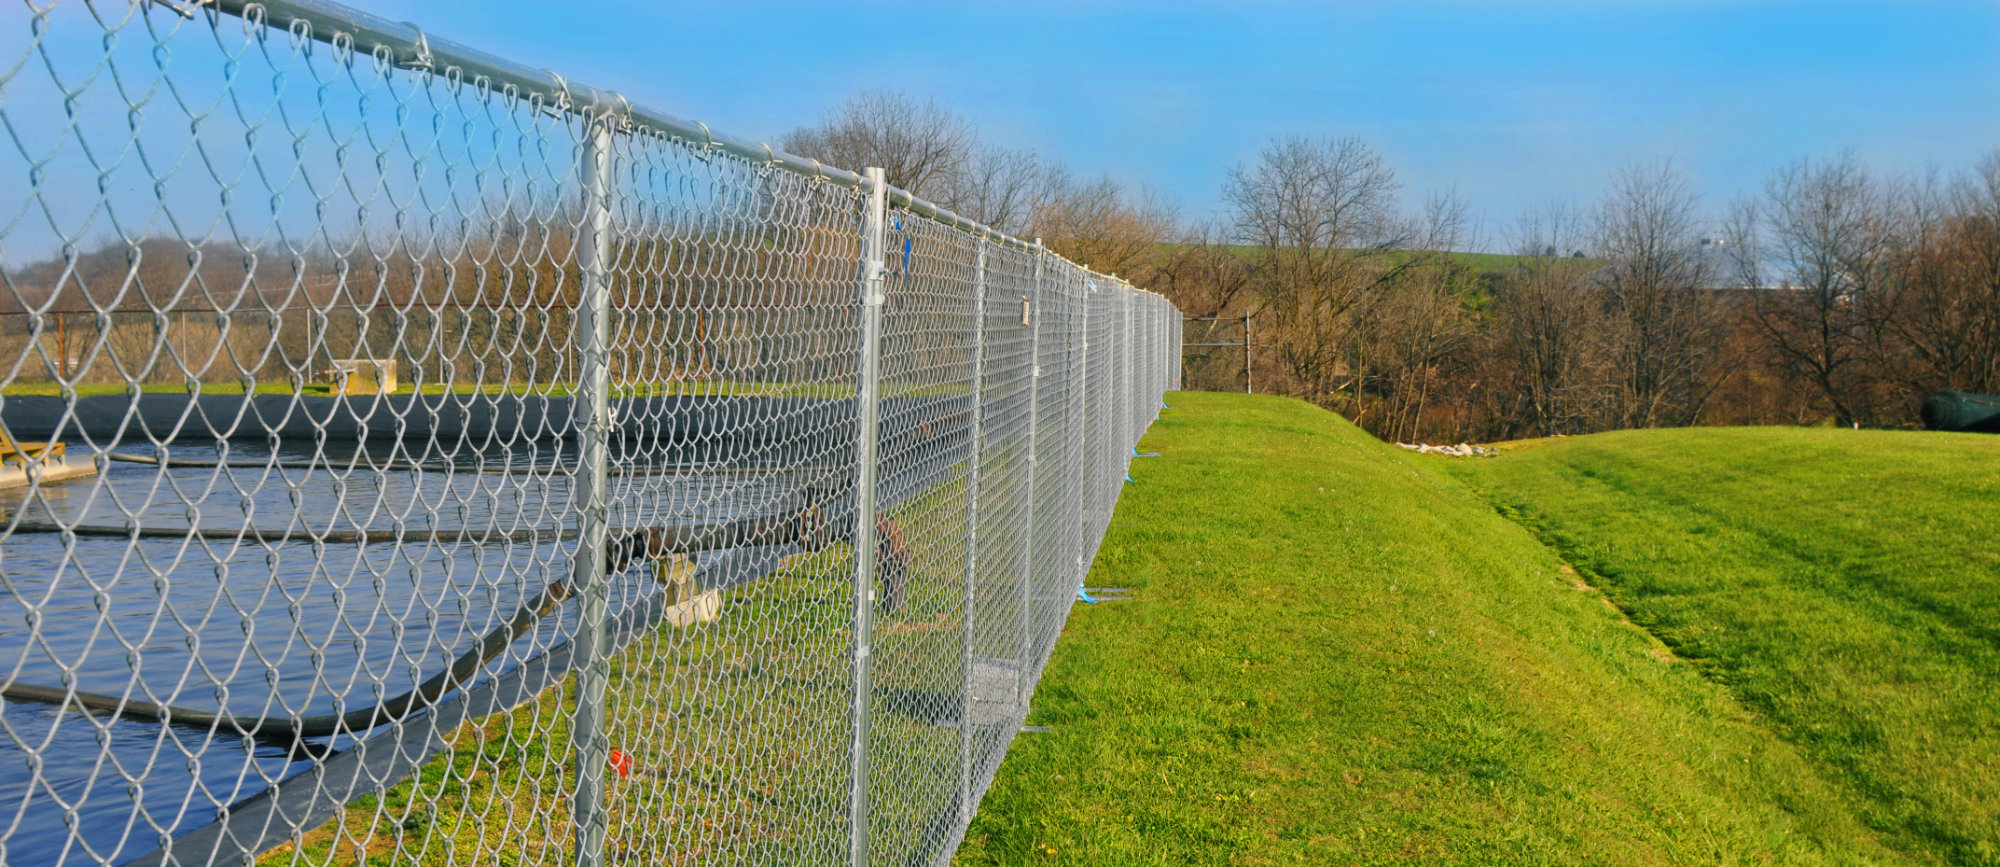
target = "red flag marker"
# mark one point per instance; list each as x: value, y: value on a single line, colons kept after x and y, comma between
x: 621, y: 761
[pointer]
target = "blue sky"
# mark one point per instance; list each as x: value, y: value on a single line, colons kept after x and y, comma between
x: 1510, y: 103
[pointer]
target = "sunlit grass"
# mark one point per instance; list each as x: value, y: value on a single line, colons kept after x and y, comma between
x: 1843, y: 585
x: 1337, y: 654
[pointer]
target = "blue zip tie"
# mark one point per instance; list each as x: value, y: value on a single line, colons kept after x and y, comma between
x: 1083, y: 596
x: 1128, y: 479
x: 897, y: 223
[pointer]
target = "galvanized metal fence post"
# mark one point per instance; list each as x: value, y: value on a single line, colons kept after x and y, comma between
x: 1181, y: 348
x: 1023, y: 689
x: 868, y: 397
x: 1128, y: 340
x: 1079, y: 376
x: 1121, y: 374
x: 1162, y: 376
x: 1149, y: 354
x: 1134, y: 347
x: 591, y: 412
x: 970, y: 586
x: 1121, y: 368
x: 1152, y: 359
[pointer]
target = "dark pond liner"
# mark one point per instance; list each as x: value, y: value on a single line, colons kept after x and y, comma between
x: 922, y: 439
x: 312, y: 797
x: 445, y: 418
x: 624, y: 549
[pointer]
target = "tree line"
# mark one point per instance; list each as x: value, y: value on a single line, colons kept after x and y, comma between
x: 1835, y: 294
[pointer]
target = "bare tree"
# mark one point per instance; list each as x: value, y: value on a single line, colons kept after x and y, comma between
x: 1319, y: 214
x: 1418, y: 327
x: 1819, y: 242
x: 1549, y: 318
x: 921, y: 147
x: 931, y: 152
x: 1944, y: 308
x: 1204, y: 275
x: 1665, y: 326
x: 1101, y: 225
x: 1003, y: 188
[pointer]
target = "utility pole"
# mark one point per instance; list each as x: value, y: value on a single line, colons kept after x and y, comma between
x: 1247, y: 387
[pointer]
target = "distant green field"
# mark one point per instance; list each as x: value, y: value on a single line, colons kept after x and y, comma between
x: 1488, y: 262
x: 1485, y: 263
x: 1843, y: 586
x: 1337, y: 653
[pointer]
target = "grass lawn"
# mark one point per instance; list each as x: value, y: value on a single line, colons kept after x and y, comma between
x: 1842, y: 585
x: 1338, y: 653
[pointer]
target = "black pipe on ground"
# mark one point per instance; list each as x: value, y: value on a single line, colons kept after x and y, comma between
x: 1962, y: 412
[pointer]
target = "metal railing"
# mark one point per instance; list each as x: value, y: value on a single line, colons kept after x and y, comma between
x: 412, y: 457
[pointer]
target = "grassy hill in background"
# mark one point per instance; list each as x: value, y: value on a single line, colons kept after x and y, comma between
x: 1338, y: 652
x: 1483, y: 263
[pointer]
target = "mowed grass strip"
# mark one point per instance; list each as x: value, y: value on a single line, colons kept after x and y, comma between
x: 1336, y: 653
x: 1845, y: 585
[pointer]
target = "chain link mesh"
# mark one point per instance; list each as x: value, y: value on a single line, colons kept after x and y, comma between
x: 407, y: 462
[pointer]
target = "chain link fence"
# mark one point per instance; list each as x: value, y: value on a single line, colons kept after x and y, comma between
x: 412, y: 457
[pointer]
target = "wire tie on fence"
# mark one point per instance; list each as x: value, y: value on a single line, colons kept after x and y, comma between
x: 187, y: 12
x: 562, y: 102
x: 423, y: 59
x: 622, y: 120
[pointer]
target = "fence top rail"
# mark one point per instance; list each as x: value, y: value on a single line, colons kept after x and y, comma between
x: 409, y: 47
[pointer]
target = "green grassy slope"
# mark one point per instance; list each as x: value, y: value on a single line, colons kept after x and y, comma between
x: 1844, y: 585
x: 1337, y: 654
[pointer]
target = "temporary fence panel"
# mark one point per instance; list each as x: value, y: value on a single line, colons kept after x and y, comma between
x: 407, y: 456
